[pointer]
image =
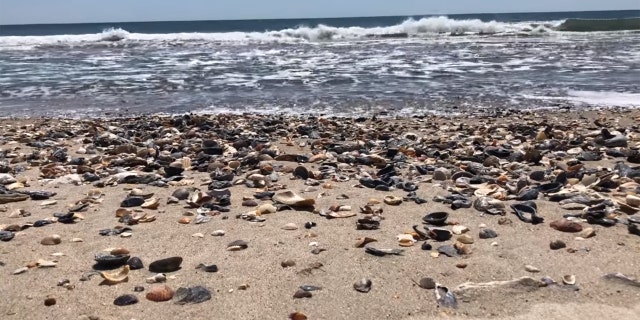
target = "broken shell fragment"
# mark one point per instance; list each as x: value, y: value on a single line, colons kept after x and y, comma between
x: 116, y: 277
x: 569, y: 279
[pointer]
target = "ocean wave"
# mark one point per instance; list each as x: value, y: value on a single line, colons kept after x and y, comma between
x: 424, y: 27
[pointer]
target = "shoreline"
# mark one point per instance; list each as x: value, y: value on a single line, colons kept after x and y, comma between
x: 492, y: 157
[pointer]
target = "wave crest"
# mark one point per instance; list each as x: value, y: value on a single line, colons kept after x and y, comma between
x: 421, y: 28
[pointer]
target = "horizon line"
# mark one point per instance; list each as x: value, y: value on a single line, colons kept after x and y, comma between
x: 313, y: 18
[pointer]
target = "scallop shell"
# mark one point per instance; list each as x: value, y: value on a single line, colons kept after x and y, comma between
x: 160, y: 293
x: 121, y: 275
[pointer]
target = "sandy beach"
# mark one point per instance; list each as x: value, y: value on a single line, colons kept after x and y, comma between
x: 339, y: 156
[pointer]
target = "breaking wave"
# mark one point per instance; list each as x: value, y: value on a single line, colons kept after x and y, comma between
x: 410, y: 28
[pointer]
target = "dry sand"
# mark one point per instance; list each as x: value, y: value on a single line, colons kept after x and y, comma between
x: 394, y: 294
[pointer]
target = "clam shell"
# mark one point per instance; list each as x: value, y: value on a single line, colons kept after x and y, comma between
x: 152, y: 203
x: 121, y: 275
x: 290, y: 198
x: 569, y: 279
x: 160, y: 293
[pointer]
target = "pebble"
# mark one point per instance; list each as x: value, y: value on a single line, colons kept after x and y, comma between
x: 125, y: 300
x: 363, y: 285
x: 565, y: 225
x: 531, y: 269
x: 51, y: 240
x: 192, y: 295
x: 587, y: 233
x: 166, y: 265
x: 487, y: 234
x: 287, y: 263
x: 557, y: 244
x: 218, y: 233
x: 466, y: 239
x: 290, y: 227
x: 50, y: 301
x: 198, y: 235
x: 160, y: 293
x: 459, y: 229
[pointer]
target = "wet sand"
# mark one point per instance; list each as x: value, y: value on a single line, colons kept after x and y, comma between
x: 270, y: 287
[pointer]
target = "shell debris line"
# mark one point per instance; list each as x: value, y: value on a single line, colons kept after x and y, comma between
x: 315, y: 214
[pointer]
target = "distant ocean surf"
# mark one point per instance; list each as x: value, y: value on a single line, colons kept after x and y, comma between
x: 341, y: 66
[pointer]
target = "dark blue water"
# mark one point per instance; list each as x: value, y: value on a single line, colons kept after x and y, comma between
x: 280, y: 24
x: 345, y: 66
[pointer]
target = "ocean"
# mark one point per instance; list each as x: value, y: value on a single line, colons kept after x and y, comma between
x: 338, y: 66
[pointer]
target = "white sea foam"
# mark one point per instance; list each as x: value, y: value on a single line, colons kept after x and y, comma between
x: 410, y: 27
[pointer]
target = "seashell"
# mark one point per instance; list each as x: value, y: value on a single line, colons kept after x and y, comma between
x: 436, y: 218
x: 569, y: 279
x: 160, y: 293
x: 363, y: 285
x: 51, y: 240
x: 392, y: 200
x: 405, y: 240
x: 439, y: 234
x: 152, y: 203
x: 445, y: 297
x: 292, y: 199
x: 160, y: 277
x: 362, y: 241
x: 121, y: 212
x: 135, y: 192
x: 237, y: 245
x: 290, y: 226
x: 46, y: 263
x: 116, y: 277
x: 265, y: 209
x: 20, y: 270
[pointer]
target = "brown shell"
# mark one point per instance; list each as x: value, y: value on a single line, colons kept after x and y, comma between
x: 160, y: 293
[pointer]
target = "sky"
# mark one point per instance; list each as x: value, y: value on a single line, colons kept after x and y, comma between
x: 74, y: 11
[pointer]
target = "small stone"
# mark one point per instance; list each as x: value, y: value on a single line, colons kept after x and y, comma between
x: 531, y: 268
x: 192, y: 295
x: 135, y: 263
x: 77, y: 240
x: 287, y: 263
x: 504, y: 221
x: 557, y: 244
x: 565, y: 225
x: 427, y: 283
x: 588, y: 233
x: 487, y: 234
x: 441, y: 174
x: 126, y: 235
x: 138, y: 288
x: 300, y: 294
x: 125, y: 300
x: 49, y: 301
x: 51, y: 240
x: 166, y: 265
x: 218, y: 233
x: 198, y: 235
x: 466, y: 239
x: 290, y: 226
x: 426, y: 246
x: 461, y: 265
x: 459, y: 229
x: 309, y: 225
x: 363, y: 285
